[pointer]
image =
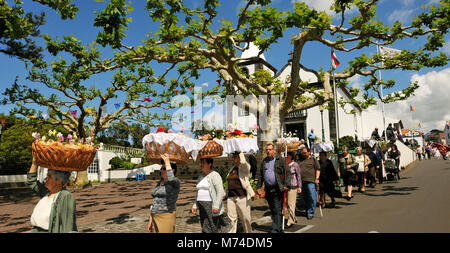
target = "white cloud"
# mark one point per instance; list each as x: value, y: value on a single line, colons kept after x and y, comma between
x: 355, y: 81
x: 431, y: 102
x: 402, y: 15
x: 324, y: 5
x: 320, y: 5
x: 407, y: 2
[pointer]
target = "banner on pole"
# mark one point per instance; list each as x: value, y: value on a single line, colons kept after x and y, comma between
x: 390, y: 52
x: 334, y: 61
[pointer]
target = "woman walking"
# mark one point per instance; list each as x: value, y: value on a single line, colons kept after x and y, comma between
x: 163, y: 210
x: 348, y: 165
x: 295, y: 188
x: 239, y: 193
x: 55, y: 212
x: 419, y: 152
x: 371, y: 181
x: 326, y: 180
x: 209, y: 198
x: 363, y: 166
x: 395, y: 154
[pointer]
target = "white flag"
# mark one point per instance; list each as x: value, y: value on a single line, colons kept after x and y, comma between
x: 392, y: 52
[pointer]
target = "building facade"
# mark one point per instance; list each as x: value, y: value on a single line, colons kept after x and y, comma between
x: 352, y: 120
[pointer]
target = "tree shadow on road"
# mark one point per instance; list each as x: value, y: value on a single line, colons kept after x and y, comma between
x: 122, y: 218
x: 17, y: 196
x: 393, y: 190
x: 193, y: 220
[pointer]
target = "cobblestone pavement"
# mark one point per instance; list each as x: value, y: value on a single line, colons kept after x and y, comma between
x: 186, y: 222
x: 117, y: 207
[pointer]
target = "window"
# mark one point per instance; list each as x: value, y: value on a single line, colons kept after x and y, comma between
x: 243, y: 111
x: 93, y: 168
x: 332, y: 122
x: 246, y: 72
x: 258, y: 66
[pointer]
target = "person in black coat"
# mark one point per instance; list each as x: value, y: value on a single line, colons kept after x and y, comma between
x: 371, y: 181
x: 375, y: 134
x: 379, y: 167
x: 327, y: 177
x: 253, y: 165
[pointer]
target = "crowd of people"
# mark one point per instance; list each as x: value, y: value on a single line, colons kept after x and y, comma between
x: 280, y: 180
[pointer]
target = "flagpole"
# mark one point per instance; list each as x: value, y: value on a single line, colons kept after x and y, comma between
x: 336, y: 119
x: 382, y: 103
x: 336, y: 111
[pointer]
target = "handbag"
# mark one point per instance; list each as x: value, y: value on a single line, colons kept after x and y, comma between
x: 263, y: 192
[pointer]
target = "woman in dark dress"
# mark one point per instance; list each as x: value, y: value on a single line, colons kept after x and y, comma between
x: 395, y: 154
x: 326, y: 179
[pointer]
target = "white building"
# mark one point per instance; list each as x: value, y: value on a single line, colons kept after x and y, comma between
x: 359, y: 124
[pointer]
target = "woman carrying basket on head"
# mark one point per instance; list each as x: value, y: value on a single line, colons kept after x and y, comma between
x: 163, y: 209
x: 239, y: 193
x: 55, y: 212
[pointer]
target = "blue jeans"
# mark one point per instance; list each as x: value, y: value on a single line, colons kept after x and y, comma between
x: 309, y: 195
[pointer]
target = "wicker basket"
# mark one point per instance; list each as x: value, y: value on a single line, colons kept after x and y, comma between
x: 58, y: 156
x: 211, y: 149
x: 291, y: 146
x: 176, y: 153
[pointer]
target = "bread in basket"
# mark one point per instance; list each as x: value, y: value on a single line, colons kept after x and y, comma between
x: 211, y: 149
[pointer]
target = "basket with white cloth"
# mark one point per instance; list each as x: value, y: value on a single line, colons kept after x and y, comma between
x: 322, y: 147
x: 178, y: 146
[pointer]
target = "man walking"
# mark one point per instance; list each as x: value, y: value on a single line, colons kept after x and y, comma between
x: 375, y: 135
x: 310, y: 174
x: 272, y: 174
x: 379, y: 167
x: 390, y: 133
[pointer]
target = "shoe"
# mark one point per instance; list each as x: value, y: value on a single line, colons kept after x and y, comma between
x: 289, y: 226
x: 348, y: 198
x: 310, y: 217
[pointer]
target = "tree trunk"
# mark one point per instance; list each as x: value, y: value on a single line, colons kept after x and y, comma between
x: 82, y: 176
x: 273, y: 128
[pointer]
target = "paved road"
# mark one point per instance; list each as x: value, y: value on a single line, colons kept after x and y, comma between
x: 418, y: 203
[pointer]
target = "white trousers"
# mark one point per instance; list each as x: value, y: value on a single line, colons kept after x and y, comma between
x: 239, y: 206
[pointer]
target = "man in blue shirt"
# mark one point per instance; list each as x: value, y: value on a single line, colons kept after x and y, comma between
x: 272, y: 174
x: 311, y: 137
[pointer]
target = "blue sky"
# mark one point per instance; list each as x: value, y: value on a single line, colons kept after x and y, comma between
x: 314, y: 55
